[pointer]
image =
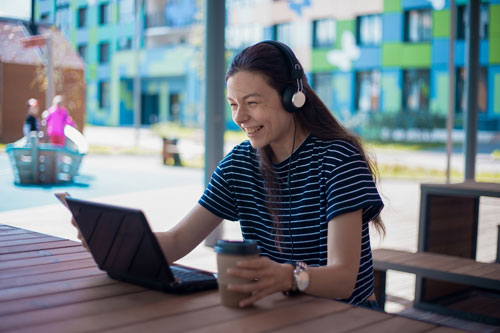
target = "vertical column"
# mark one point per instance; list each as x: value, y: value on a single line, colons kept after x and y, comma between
x: 214, y: 93
x: 472, y: 69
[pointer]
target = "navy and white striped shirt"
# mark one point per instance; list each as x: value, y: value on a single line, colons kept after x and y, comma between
x: 328, y: 178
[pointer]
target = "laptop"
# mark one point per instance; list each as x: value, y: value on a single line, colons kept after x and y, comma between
x: 123, y: 245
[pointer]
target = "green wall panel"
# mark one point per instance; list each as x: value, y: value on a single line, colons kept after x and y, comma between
x: 416, y: 55
x: 392, y: 94
x: 495, y: 50
x: 494, y: 20
x: 391, y: 6
x: 342, y: 87
x: 391, y: 54
x: 441, y: 23
x: 347, y: 25
x: 319, y: 61
x: 496, y: 97
x: 440, y: 103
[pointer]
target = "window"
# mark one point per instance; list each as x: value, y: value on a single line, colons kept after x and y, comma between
x: 323, y: 86
x: 82, y: 51
x: 104, y: 53
x: 283, y: 32
x: 369, y: 30
x: 81, y: 20
x: 324, y: 32
x: 126, y: 11
x: 482, y: 90
x: 418, y: 25
x: 104, y: 13
x: 125, y: 43
x: 416, y: 89
x: 103, y: 94
x: 367, y: 91
x: 45, y: 17
x: 484, y: 21
x: 239, y: 36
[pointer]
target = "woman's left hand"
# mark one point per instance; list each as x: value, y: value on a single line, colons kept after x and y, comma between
x: 268, y: 277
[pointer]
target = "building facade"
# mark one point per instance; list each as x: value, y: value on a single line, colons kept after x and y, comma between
x: 374, y: 63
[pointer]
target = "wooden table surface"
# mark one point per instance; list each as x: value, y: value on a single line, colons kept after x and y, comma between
x: 49, y: 284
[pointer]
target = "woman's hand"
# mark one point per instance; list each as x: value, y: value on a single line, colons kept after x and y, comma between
x: 79, y: 235
x: 269, y: 277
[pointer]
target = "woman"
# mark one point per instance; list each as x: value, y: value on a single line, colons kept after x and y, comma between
x: 301, y: 186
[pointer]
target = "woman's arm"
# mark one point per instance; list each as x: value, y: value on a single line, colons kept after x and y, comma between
x: 188, y: 233
x: 336, y: 280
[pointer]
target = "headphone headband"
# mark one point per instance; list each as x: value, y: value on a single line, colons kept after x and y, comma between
x: 296, y: 71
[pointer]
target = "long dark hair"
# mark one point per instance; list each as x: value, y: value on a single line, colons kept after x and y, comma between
x: 314, y: 117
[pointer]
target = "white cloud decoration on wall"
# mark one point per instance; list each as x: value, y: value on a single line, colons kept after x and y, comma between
x: 437, y: 4
x: 349, y: 51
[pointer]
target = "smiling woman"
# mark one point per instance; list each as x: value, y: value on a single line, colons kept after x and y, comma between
x: 301, y: 186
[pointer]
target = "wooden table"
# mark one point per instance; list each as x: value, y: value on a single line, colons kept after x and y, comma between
x: 48, y: 284
x: 449, y: 225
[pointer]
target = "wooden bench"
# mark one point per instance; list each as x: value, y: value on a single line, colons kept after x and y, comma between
x: 463, y: 271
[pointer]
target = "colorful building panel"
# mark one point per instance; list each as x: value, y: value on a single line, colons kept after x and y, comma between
x: 387, y: 57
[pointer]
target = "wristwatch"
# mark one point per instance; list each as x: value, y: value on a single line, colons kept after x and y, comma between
x: 301, y: 276
x: 300, y: 280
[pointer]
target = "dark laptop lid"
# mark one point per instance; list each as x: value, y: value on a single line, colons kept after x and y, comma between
x: 121, y: 242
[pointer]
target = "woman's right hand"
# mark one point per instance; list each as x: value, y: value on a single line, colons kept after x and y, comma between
x: 79, y: 235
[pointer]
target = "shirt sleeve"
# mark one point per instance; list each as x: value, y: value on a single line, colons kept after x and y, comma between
x: 218, y: 197
x: 350, y: 187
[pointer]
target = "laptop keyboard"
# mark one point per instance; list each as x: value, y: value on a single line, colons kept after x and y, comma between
x: 188, y: 275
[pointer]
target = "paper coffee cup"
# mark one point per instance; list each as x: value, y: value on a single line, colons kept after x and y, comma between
x: 228, y: 254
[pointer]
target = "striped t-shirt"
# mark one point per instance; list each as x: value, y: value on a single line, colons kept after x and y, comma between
x: 328, y: 178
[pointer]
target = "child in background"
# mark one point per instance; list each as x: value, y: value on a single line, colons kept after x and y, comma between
x: 31, y: 123
x: 57, y: 119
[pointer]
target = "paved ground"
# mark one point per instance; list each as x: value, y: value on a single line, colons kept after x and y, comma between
x: 165, y: 194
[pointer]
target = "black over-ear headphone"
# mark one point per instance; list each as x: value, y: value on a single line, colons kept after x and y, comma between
x: 294, y: 97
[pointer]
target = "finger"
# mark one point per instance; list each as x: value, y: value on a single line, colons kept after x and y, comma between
x: 259, y: 294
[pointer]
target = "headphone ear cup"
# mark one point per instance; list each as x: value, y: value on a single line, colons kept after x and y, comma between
x: 287, y: 99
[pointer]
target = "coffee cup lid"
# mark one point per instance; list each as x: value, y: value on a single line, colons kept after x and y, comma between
x: 236, y: 247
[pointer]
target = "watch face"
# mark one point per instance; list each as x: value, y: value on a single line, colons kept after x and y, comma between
x: 302, y: 280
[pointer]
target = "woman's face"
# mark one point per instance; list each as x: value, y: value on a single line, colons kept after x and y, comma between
x: 257, y: 109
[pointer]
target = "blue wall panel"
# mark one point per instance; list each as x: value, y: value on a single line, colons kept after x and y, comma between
x: 392, y: 27
x: 460, y: 52
x: 369, y: 57
x: 410, y: 4
x: 440, y: 50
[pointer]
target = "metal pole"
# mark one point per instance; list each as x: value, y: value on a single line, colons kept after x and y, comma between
x: 214, y: 94
x: 49, y: 92
x: 471, y: 78
x: 137, y: 77
x: 451, y: 98
x: 33, y: 26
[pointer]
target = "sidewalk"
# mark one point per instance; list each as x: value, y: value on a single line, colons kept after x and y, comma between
x: 436, y: 159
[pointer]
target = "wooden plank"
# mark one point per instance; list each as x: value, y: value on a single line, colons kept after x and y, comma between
x: 5, y: 265
x: 41, y: 253
x: 26, y: 235
x: 49, y: 277
x: 29, y: 241
x: 12, y: 231
x: 40, y: 269
x: 212, y: 318
x: 444, y: 329
x: 82, y: 309
x: 54, y: 287
x: 70, y: 297
x: 38, y: 246
x: 396, y: 324
x: 111, y: 319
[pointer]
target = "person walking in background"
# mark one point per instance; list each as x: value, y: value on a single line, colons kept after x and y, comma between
x: 31, y: 123
x: 56, y: 119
